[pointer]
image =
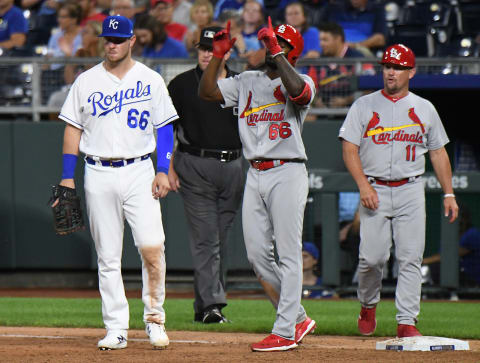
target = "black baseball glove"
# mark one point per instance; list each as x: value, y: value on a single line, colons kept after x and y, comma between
x: 67, y: 213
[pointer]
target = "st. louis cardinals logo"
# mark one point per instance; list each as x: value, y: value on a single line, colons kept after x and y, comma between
x: 253, y: 117
x: 104, y: 104
x: 382, y: 135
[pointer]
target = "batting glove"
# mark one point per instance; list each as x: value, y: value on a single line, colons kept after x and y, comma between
x: 222, y: 42
x: 267, y: 35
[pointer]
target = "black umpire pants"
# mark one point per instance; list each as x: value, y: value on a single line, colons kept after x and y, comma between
x: 212, y: 192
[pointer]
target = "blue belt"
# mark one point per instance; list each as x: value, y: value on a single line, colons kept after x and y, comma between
x: 115, y: 163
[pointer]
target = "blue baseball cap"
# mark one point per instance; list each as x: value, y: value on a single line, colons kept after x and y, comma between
x: 117, y: 26
x: 311, y: 249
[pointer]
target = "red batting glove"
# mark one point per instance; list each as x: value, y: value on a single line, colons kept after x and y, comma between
x: 267, y: 35
x: 222, y: 42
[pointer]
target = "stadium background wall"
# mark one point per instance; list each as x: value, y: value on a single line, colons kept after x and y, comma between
x: 30, y: 156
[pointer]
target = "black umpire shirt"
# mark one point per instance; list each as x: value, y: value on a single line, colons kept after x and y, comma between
x: 203, y: 124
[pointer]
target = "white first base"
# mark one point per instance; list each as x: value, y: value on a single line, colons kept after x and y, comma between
x: 422, y: 344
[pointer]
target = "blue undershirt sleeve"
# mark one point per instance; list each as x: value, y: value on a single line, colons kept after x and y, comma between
x: 164, y: 147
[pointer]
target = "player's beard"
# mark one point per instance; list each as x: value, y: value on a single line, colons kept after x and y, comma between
x: 114, y: 62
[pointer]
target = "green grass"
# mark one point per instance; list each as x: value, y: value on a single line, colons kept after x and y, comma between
x: 334, y: 317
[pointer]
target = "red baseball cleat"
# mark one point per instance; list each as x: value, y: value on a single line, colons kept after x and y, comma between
x: 366, y: 321
x: 405, y: 331
x: 273, y: 343
x: 302, y: 329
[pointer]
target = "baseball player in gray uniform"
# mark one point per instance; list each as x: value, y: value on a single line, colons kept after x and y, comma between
x: 272, y: 106
x: 111, y: 114
x: 385, y: 136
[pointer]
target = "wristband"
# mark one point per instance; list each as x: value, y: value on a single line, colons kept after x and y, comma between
x: 69, y: 163
x: 281, y: 52
x: 449, y: 195
x: 164, y: 147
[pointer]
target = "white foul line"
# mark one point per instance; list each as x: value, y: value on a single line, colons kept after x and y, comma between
x: 66, y: 337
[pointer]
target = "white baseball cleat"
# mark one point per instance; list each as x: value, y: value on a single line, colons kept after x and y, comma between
x: 157, y: 334
x: 115, y: 339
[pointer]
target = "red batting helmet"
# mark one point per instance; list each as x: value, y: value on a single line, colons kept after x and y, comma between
x: 292, y: 37
x: 399, y: 54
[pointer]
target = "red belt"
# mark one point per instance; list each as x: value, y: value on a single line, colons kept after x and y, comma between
x: 266, y: 164
x: 392, y: 183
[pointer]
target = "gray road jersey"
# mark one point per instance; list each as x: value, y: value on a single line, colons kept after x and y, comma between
x: 393, y: 136
x: 270, y: 124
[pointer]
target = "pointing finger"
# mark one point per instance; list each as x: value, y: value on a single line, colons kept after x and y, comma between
x: 228, y: 27
x: 270, y: 23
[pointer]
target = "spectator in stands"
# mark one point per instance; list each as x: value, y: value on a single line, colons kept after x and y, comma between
x: 181, y: 12
x: 13, y: 26
x: 312, y: 283
x: 253, y: 20
x: 103, y: 6
x: 90, y: 11
x: 163, y: 12
x: 334, y: 82
x: 154, y: 41
x: 201, y: 15
x: 235, y: 20
x: 295, y: 16
x: 92, y: 46
x: 67, y: 39
x: 363, y: 21
x: 43, y: 18
x: 469, y: 251
x: 124, y: 8
x: 255, y: 58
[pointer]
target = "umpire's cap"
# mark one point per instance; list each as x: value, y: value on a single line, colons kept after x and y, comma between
x: 206, y: 36
x: 399, y: 54
x: 117, y: 26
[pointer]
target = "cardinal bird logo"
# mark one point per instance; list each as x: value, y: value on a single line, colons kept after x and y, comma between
x: 374, y: 121
x: 413, y: 116
x: 278, y: 94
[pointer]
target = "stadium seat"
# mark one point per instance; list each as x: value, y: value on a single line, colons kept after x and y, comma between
x: 469, y: 17
x: 414, y: 37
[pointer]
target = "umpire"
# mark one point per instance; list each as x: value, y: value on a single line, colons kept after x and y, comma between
x: 208, y: 172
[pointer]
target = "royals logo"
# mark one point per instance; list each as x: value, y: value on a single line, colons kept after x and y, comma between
x: 104, y: 104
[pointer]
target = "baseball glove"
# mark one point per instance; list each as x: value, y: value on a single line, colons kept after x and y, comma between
x: 67, y: 213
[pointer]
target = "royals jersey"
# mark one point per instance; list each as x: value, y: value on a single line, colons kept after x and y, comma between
x: 118, y: 116
x: 393, y: 134
x: 269, y: 123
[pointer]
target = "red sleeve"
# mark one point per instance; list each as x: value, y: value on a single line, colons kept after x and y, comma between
x: 304, y: 97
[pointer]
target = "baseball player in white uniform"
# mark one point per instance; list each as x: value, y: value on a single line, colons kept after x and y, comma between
x: 111, y: 113
x: 385, y: 136
x: 272, y: 106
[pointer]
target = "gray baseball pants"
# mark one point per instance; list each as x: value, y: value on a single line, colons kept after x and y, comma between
x: 212, y: 193
x: 400, y: 218
x: 273, y: 208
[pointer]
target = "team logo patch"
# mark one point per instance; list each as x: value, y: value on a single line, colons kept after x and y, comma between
x: 209, y: 34
x: 104, y: 104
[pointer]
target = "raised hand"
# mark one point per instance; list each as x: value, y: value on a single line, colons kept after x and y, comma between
x: 222, y: 42
x: 267, y: 35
